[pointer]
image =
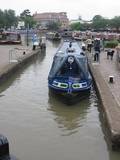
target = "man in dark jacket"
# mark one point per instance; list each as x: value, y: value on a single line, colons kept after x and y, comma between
x: 97, y: 47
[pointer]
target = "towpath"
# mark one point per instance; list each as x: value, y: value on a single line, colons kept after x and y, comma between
x: 5, y: 54
x: 109, y: 92
x: 108, y: 67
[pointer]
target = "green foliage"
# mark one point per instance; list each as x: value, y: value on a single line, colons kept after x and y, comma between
x: 111, y: 44
x: 27, y: 18
x: 100, y: 23
x: 25, y: 13
x: 80, y: 26
x: 7, y: 18
x: 115, y: 22
x: 85, y: 26
x: 53, y: 25
x: 75, y: 26
x: 1, y: 19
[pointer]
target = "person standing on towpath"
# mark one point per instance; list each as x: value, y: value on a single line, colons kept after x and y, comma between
x: 89, y: 44
x: 35, y: 41
x: 97, y: 47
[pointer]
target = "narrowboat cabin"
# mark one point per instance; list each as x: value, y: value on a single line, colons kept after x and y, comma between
x: 10, y: 38
x: 69, y: 72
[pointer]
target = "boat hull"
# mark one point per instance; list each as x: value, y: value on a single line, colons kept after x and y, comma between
x: 10, y: 38
x: 71, y: 92
x: 70, y: 99
x: 10, y: 42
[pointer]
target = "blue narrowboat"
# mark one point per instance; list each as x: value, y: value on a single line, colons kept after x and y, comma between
x: 69, y: 73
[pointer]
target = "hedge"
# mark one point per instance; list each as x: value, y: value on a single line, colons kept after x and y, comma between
x: 111, y: 44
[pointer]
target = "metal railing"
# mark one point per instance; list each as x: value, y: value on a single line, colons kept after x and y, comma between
x: 16, y: 54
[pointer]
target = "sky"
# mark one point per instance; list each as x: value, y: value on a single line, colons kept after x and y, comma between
x: 87, y: 9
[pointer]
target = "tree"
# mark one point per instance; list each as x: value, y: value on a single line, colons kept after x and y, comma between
x: 80, y: 26
x: 75, y: 26
x: 25, y: 14
x: 7, y: 18
x: 27, y: 18
x: 115, y: 22
x: 85, y: 26
x: 99, y: 23
x: 53, y: 25
x: 1, y: 19
x: 10, y: 18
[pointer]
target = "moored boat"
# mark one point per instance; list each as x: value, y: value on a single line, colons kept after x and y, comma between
x: 66, y: 33
x: 69, y: 73
x: 10, y: 38
x: 77, y: 36
x: 53, y: 36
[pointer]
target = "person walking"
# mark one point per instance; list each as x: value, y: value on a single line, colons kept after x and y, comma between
x: 89, y: 44
x: 35, y: 41
x: 97, y: 47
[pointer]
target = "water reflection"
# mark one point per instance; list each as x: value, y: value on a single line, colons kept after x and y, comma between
x: 114, y: 155
x: 35, y: 60
x: 68, y: 117
x: 56, y: 43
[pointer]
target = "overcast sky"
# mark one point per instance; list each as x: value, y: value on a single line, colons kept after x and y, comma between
x: 74, y: 8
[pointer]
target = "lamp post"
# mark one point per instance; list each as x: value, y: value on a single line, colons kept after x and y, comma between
x: 27, y: 34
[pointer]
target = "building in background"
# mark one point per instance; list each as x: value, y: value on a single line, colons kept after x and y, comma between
x: 44, y: 19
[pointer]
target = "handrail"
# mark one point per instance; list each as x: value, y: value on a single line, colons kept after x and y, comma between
x: 16, y: 54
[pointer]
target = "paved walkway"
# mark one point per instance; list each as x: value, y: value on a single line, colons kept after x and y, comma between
x: 5, y: 58
x: 109, y: 93
x: 109, y: 67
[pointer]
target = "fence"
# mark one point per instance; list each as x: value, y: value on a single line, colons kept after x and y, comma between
x: 16, y: 54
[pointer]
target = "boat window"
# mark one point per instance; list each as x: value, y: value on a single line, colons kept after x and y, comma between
x: 10, y: 36
x: 3, y: 36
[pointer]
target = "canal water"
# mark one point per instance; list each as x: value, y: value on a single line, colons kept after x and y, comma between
x: 41, y: 126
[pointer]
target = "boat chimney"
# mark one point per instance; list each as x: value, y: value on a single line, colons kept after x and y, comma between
x: 70, y: 44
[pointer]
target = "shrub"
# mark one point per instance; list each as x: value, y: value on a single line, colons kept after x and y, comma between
x: 111, y: 44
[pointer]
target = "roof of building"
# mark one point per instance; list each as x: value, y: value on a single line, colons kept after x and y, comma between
x: 51, y: 15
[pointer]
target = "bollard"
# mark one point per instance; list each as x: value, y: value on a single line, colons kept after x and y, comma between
x: 24, y: 53
x: 34, y: 47
x: 111, y: 79
x: 4, y: 146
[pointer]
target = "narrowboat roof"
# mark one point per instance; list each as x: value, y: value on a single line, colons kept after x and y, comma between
x: 65, y: 51
x: 70, y: 48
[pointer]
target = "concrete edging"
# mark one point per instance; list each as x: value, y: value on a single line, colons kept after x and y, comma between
x: 110, y: 107
x: 9, y: 69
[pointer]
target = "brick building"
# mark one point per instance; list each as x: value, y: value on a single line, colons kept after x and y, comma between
x: 43, y: 19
